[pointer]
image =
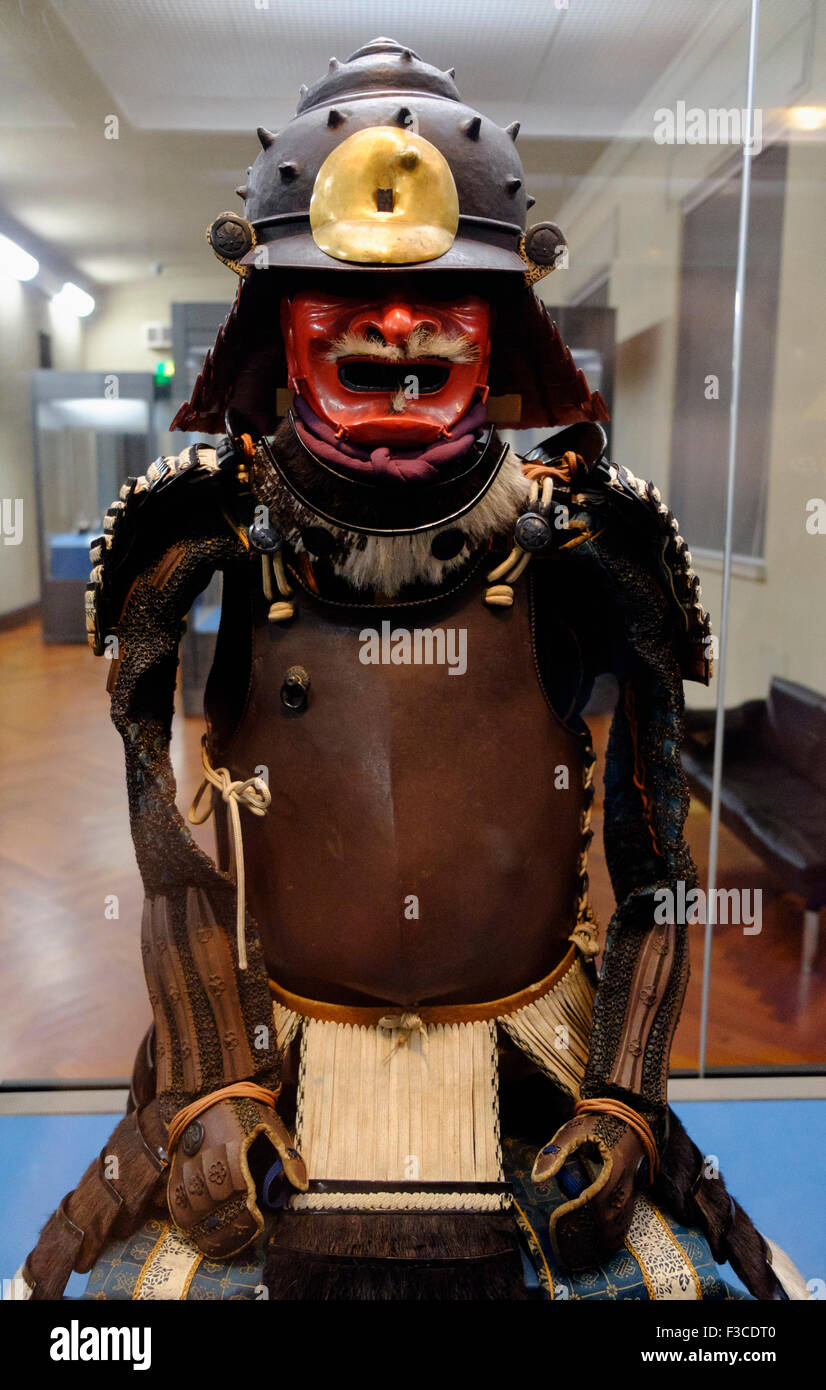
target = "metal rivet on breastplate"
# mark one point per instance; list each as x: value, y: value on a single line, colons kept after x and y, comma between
x: 193, y: 1138
x: 318, y: 540
x: 447, y: 544
x: 295, y: 688
x: 534, y: 532
x: 265, y: 538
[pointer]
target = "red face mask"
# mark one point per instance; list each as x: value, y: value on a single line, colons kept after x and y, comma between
x: 393, y: 370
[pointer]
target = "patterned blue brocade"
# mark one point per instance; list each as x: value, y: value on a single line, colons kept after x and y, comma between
x: 118, y: 1270
x: 661, y: 1259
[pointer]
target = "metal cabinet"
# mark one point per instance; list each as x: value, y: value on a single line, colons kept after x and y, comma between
x: 91, y: 431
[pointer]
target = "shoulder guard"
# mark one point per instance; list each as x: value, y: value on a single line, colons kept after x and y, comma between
x: 585, y: 479
x: 136, y: 513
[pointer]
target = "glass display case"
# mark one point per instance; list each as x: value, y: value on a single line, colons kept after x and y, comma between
x: 91, y: 432
x: 637, y: 130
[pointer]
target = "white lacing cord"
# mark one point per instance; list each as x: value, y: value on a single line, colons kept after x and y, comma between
x: 500, y: 582
x: 406, y: 1025
x: 405, y: 1022
x: 272, y: 567
x: 500, y: 595
x: 399, y: 1201
x: 254, y: 794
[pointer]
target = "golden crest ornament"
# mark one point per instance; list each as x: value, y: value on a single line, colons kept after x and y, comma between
x: 384, y: 196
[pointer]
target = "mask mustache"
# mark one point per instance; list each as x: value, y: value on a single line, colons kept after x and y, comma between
x: 422, y: 342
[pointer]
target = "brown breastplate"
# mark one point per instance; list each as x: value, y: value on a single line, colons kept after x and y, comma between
x: 420, y: 846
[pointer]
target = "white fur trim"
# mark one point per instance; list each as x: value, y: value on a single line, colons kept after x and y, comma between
x: 788, y: 1273
x: 388, y: 563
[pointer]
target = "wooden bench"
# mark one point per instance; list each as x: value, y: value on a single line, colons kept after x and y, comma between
x: 773, y: 795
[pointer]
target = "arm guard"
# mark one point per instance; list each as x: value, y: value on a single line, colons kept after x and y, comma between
x: 213, y: 1017
x: 645, y: 966
x: 213, y: 1026
x: 622, y: 548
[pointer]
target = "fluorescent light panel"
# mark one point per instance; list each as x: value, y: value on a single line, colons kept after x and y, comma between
x: 15, y: 261
x: 74, y: 300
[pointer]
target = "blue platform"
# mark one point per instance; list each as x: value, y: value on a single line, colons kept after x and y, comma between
x: 771, y: 1156
x: 770, y: 1153
x: 69, y: 554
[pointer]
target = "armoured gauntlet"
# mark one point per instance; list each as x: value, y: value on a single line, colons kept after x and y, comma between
x: 208, y: 1018
x: 212, y: 1189
x: 600, y: 1161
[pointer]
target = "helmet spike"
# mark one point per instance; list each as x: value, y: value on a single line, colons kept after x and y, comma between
x: 302, y: 91
x: 513, y: 185
x: 288, y: 171
x: 333, y: 64
x: 513, y: 129
x: 402, y: 116
x: 450, y: 72
x: 265, y: 136
x: 530, y: 200
x: 335, y: 118
x: 242, y: 190
x: 471, y: 127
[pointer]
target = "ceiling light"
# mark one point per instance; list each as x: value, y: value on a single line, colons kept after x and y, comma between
x: 808, y: 117
x: 15, y: 261
x: 74, y: 300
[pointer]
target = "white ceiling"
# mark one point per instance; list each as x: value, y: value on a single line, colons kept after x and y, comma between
x: 191, y: 79
x: 235, y: 64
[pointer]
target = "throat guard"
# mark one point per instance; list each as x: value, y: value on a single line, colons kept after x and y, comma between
x: 375, y: 507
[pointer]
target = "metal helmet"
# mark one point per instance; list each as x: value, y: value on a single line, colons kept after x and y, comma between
x: 385, y: 169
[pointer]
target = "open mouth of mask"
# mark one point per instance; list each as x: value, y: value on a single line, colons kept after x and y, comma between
x: 395, y: 370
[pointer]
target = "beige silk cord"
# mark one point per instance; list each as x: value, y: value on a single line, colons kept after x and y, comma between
x: 254, y: 795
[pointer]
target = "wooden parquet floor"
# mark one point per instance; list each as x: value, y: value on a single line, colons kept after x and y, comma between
x: 72, y: 997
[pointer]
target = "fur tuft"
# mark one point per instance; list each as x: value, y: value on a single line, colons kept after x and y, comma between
x: 388, y: 563
x: 788, y: 1273
x: 384, y: 563
x: 374, y: 1257
x: 422, y: 342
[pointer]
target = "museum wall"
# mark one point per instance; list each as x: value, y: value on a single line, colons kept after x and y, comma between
x: 24, y: 313
x: 114, y: 338
x: 625, y: 222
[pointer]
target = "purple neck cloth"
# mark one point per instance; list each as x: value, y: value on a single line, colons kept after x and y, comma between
x: 406, y: 465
